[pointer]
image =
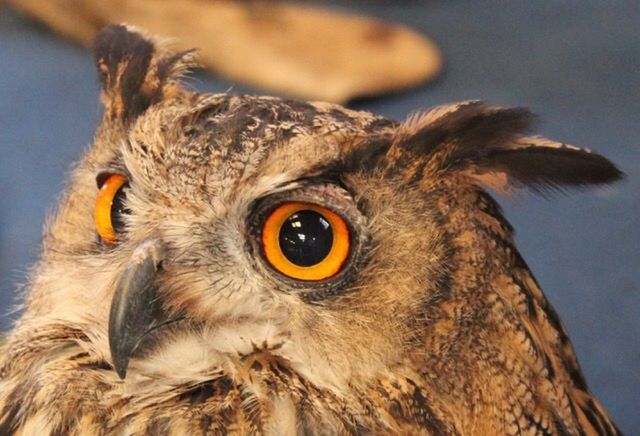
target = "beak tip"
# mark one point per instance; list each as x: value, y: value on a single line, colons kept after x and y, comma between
x: 121, y: 370
x: 120, y: 362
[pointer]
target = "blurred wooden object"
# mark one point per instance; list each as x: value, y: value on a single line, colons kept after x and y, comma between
x: 285, y: 48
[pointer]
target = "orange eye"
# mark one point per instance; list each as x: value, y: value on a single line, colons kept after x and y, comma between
x: 305, y: 241
x: 110, y: 207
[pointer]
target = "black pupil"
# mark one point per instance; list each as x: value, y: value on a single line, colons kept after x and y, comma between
x: 118, y: 208
x: 306, y: 238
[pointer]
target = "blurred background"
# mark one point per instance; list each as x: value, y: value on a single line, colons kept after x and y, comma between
x: 576, y: 64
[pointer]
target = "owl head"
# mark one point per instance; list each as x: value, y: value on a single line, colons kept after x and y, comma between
x: 202, y: 231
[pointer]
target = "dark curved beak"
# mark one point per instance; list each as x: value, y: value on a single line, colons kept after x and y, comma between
x: 135, y: 308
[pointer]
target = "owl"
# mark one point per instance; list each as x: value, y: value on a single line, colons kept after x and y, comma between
x: 233, y: 264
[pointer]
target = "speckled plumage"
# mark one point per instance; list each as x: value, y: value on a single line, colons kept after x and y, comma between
x: 435, y: 326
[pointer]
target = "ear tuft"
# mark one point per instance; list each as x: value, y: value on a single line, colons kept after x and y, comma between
x: 135, y: 71
x: 452, y: 135
x: 489, y: 144
x: 541, y: 165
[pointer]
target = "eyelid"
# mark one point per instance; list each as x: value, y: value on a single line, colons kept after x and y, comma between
x: 110, y: 170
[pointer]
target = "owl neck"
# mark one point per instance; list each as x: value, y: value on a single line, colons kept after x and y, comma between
x: 508, y: 341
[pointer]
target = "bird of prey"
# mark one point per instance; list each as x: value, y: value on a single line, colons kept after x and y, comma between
x: 234, y: 264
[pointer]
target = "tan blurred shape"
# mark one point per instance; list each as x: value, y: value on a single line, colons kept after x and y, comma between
x: 286, y: 48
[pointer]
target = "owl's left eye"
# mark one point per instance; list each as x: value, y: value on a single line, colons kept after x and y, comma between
x: 305, y: 241
x: 110, y: 206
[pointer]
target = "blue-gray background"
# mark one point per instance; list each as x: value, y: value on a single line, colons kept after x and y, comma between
x: 575, y: 63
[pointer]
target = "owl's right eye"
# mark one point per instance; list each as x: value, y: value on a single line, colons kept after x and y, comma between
x: 110, y: 206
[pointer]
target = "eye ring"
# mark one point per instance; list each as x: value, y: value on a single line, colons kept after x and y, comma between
x: 323, y: 265
x: 105, y: 217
